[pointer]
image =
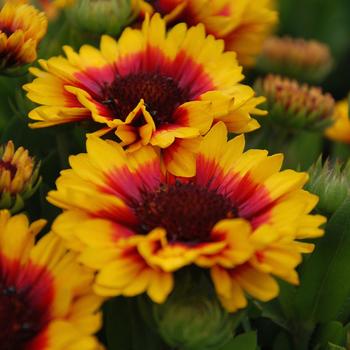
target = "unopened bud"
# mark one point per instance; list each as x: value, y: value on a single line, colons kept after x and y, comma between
x: 295, y: 106
x: 102, y: 16
x: 193, y: 319
x: 306, y: 61
x: 19, y: 177
x: 331, y: 182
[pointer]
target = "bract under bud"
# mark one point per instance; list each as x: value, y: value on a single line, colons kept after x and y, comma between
x: 331, y: 182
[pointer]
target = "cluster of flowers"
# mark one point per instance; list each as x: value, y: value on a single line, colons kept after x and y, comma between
x: 163, y: 185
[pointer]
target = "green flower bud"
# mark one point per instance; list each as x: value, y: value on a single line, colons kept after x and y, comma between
x: 102, y: 16
x: 331, y: 182
x: 293, y: 106
x: 306, y: 61
x: 193, y: 319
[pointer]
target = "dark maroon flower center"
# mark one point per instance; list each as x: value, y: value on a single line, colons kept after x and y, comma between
x: 187, y: 211
x: 161, y: 94
x: 8, y: 31
x: 8, y: 166
x: 19, y: 321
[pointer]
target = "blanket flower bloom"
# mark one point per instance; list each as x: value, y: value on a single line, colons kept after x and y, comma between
x: 151, y: 87
x: 340, y: 130
x: 242, y: 24
x: 21, y: 29
x: 19, y: 177
x: 136, y: 224
x: 46, y: 301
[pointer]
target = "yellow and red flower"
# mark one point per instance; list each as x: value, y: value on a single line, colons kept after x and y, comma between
x: 242, y: 24
x: 19, y: 177
x: 21, y: 29
x: 136, y: 224
x: 340, y: 130
x: 151, y: 87
x: 46, y: 301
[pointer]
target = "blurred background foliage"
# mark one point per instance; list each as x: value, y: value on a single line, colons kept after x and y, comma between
x: 327, y: 21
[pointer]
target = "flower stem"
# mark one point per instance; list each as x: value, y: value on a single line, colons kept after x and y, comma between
x: 62, y: 149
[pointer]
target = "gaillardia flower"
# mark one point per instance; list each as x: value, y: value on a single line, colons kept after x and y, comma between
x: 307, y: 61
x: 46, y: 301
x: 19, y: 177
x: 242, y: 24
x: 340, y: 130
x: 21, y: 29
x: 294, y: 106
x: 152, y: 87
x: 136, y: 224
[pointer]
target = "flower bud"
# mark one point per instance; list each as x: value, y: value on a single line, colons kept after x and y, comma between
x: 21, y: 29
x: 102, y: 16
x: 331, y: 182
x: 307, y: 61
x: 193, y: 319
x: 19, y: 177
x: 295, y: 106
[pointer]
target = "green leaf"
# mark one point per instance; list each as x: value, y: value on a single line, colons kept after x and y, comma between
x: 273, y: 311
x: 331, y: 332
x: 325, y: 283
x: 117, y: 321
x: 125, y: 328
x: 295, y: 154
x: 246, y: 341
x: 282, y: 341
x: 335, y: 347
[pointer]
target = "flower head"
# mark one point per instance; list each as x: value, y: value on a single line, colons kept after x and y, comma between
x: 242, y: 24
x: 295, y: 106
x: 340, y: 129
x: 308, y: 61
x: 19, y: 176
x: 46, y: 300
x: 135, y: 223
x: 21, y: 29
x: 151, y: 87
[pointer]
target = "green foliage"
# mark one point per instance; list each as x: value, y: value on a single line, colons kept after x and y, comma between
x: 320, y: 296
x: 246, y: 341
